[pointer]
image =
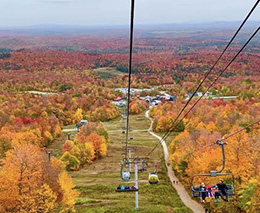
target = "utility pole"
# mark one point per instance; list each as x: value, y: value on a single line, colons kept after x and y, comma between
x: 135, y: 189
x: 68, y: 136
x: 136, y: 185
x: 49, y: 154
x: 130, y: 155
x: 130, y: 149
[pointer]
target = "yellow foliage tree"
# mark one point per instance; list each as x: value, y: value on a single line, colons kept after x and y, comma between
x: 22, y: 187
x: 69, y: 194
x: 37, y: 200
x: 48, y: 137
x: 99, y: 144
x: 77, y: 116
x: 239, y: 158
x: 87, y: 153
x: 162, y: 124
x: 27, y: 137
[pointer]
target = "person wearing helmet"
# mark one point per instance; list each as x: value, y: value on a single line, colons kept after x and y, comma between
x: 203, y: 192
x: 216, y: 194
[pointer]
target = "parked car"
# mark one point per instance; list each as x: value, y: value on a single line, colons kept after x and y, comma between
x: 81, y: 123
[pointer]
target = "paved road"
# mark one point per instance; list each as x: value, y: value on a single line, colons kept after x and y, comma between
x: 70, y: 130
x: 193, y: 205
x: 137, y: 130
x: 75, y: 129
x: 41, y: 93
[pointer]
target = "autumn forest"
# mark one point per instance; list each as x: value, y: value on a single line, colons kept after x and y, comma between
x: 49, y: 83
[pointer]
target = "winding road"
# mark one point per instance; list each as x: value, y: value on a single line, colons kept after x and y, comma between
x: 193, y: 205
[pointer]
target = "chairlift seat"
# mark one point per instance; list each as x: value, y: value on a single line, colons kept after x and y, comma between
x: 125, y: 175
x: 126, y: 190
x: 196, y: 192
x: 230, y: 190
x: 153, y: 178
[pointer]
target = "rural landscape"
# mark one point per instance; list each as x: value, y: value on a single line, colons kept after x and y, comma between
x: 72, y: 127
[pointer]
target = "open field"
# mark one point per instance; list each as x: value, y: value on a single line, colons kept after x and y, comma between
x: 97, y: 182
x: 108, y: 72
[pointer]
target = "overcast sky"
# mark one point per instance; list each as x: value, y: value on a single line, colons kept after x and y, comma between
x: 116, y: 12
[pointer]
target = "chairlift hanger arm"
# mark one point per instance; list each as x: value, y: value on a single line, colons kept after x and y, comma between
x: 130, y: 71
x: 222, y: 144
x: 210, y: 175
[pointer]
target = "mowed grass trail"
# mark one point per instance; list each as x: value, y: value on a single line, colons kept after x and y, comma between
x: 97, y: 182
x: 108, y: 72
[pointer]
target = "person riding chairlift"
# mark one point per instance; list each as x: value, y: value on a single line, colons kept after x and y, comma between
x: 209, y: 191
x: 203, y: 192
x: 133, y: 187
x: 217, y: 194
x: 223, y: 189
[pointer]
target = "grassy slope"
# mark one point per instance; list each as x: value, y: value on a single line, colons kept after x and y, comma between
x: 107, y: 72
x: 97, y: 182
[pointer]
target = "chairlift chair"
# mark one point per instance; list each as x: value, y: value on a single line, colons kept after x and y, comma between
x: 153, y: 178
x: 124, y: 129
x: 127, y: 190
x: 196, y: 192
x: 143, y: 164
x: 230, y: 191
x: 125, y: 175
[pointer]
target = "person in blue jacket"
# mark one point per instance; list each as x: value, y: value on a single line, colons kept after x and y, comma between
x: 203, y: 192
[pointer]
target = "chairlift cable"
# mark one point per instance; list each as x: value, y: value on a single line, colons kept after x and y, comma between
x: 129, y: 72
x: 212, y: 68
x: 204, y: 147
x: 223, y: 52
x: 167, y: 134
x: 238, y: 131
x: 222, y: 139
x: 220, y: 74
x: 207, y: 74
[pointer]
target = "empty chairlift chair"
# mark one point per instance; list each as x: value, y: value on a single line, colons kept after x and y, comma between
x: 125, y: 174
x: 143, y: 168
x: 153, y: 178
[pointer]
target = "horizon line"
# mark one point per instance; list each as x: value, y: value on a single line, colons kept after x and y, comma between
x: 46, y: 25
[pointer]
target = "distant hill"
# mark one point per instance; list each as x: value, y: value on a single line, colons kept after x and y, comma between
x: 117, y: 31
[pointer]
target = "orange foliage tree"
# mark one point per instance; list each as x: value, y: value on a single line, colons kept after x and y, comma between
x: 29, y: 183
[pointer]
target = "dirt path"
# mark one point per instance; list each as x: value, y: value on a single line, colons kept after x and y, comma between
x: 193, y: 205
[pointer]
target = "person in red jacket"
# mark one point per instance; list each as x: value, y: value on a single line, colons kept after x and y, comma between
x: 209, y: 191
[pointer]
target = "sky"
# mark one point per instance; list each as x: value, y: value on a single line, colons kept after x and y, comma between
x: 15, y: 13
